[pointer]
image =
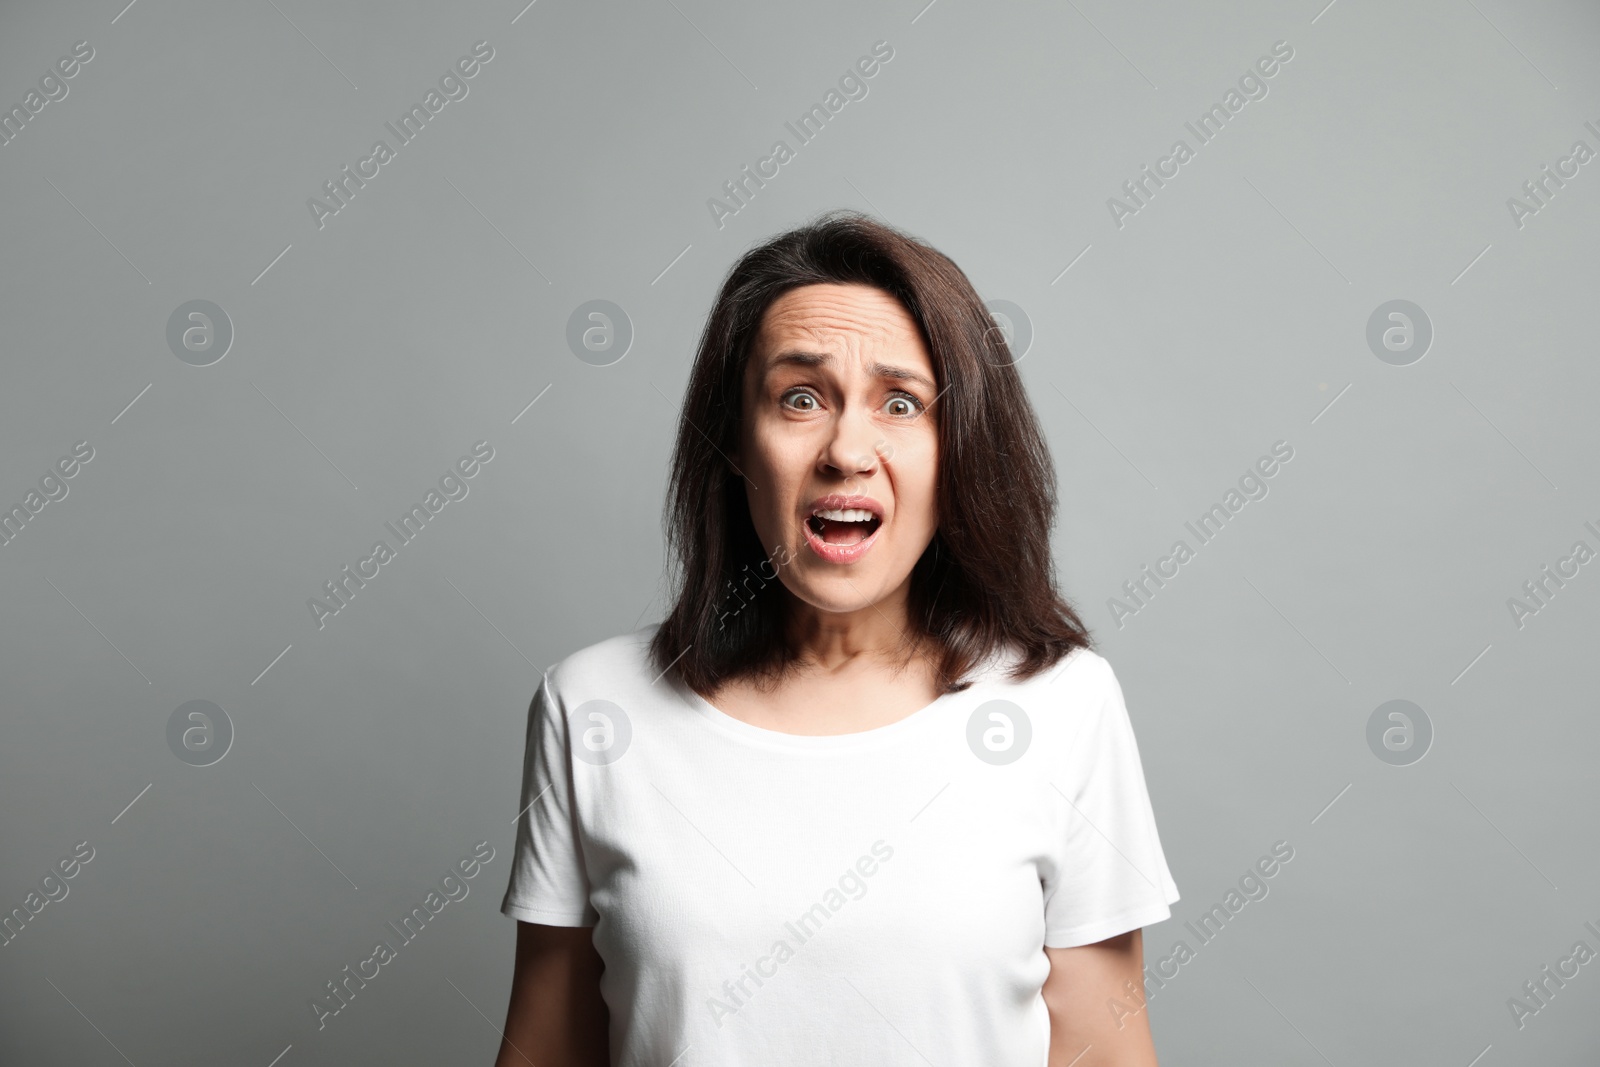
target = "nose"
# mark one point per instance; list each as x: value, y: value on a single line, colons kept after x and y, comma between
x: 852, y: 448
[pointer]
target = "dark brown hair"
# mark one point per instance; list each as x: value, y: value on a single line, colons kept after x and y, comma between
x: 986, y: 583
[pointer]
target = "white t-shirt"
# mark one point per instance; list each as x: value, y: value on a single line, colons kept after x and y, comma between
x: 882, y: 897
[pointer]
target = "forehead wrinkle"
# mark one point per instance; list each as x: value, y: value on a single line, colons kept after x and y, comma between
x: 848, y: 332
x: 823, y: 310
x: 873, y: 329
x: 875, y: 369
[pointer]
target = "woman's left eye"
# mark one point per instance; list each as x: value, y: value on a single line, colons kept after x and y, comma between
x: 910, y: 404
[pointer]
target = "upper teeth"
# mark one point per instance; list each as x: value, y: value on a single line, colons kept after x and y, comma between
x: 845, y: 514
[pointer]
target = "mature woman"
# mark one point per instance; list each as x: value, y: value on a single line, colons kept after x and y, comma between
x: 866, y: 796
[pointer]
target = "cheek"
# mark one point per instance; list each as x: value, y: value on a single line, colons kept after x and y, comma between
x: 776, y: 466
x: 914, y: 468
x: 777, y: 455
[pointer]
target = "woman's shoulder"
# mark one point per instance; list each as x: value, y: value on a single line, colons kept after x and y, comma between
x: 1077, y: 697
x: 617, y: 662
x: 1082, y: 671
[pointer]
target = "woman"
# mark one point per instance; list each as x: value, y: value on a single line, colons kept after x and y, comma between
x: 866, y: 795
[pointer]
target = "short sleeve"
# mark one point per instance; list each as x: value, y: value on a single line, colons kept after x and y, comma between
x: 1110, y: 874
x: 548, y: 884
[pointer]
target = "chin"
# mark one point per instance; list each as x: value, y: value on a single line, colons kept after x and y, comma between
x: 846, y: 589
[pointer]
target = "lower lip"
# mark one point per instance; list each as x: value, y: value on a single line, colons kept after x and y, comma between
x: 840, y: 553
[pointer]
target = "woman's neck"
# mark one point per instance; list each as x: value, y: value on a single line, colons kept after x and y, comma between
x: 831, y: 641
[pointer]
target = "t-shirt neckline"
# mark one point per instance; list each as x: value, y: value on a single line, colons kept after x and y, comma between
x: 859, y: 739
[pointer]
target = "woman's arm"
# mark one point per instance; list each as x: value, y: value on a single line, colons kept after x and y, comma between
x: 1097, y: 1018
x: 557, y: 1017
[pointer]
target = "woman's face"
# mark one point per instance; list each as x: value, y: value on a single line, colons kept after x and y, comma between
x: 839, y: 444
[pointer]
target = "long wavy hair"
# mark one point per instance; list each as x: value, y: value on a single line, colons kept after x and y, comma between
x: 986, y: 583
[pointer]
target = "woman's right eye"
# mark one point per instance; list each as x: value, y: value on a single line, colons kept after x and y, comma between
x: 798, y: 394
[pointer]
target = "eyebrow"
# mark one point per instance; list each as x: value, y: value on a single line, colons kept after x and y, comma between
x: 877, y: 370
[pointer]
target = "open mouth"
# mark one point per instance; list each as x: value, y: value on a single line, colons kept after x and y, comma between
x: 843, y: 526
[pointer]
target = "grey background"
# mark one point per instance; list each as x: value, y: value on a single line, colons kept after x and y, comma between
x: 1228, y: 314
